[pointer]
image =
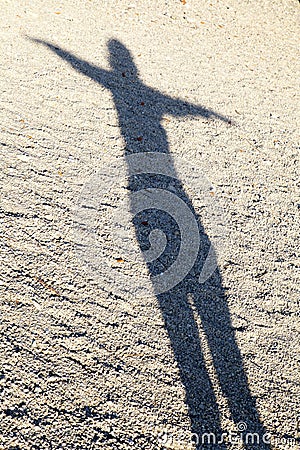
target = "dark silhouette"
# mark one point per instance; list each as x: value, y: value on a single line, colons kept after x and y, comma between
x: 140, y: 110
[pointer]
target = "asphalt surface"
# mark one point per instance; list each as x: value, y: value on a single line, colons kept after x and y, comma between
x: 96, y: 351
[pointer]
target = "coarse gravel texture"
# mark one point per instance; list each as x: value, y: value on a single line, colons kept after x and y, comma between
x: 86, y: 364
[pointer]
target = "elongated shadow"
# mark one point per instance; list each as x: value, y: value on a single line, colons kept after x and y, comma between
x: 140, y: 111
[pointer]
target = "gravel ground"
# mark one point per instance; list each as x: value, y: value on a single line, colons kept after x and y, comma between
x: 92, y: 356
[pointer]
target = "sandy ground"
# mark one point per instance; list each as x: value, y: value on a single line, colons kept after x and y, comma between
x: 85, y: 362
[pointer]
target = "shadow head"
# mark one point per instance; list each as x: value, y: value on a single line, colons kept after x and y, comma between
x: 120, y: 59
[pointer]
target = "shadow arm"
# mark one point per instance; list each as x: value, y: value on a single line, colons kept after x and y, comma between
x: 98, y: 75
x: 180, y: 108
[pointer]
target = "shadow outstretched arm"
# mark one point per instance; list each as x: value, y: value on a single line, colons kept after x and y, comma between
x: 180, y: 108
x: 98, y: 75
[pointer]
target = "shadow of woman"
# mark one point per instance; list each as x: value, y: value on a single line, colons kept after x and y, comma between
x: 140, y: 111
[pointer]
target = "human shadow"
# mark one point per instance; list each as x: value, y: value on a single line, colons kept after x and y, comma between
x: 140, y: 111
